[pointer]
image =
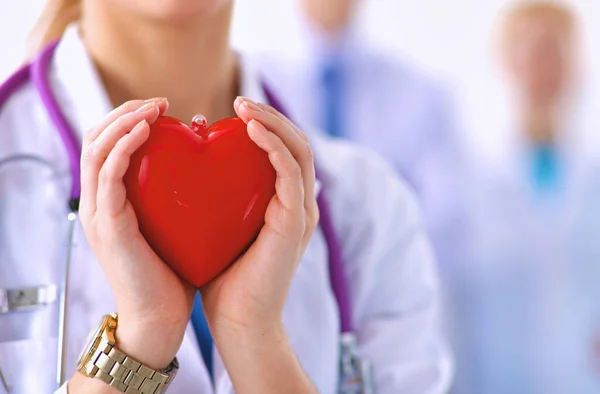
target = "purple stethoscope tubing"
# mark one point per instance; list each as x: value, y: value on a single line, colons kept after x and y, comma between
x: 39, y: 79
x: 38, y: 74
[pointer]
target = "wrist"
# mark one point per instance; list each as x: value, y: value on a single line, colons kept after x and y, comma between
x: 263, y: 360
x: 241, y: 345
x: 152, y: 343
x: 246, y: 335
x: 241, y: 348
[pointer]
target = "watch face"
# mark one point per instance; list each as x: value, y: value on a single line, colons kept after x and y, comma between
x: 90, y: 343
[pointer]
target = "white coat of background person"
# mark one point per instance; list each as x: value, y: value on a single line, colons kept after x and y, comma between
x: 340, y: 84
x: 525, y: 303
x: 390, y: 267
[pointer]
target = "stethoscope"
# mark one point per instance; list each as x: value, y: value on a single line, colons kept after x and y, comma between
x: 355, y: 373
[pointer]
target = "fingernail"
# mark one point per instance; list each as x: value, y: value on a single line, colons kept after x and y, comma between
x: 238, y: 100
x: 253, y: 106
x: 139, y: 126
x: 256, y: 123
x: 156, y: 99
x: 146, y: 107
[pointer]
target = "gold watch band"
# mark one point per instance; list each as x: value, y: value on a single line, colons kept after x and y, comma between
x: 101, y: 360
x: 126, y: 374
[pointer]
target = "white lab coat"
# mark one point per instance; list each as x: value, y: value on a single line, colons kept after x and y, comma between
x: 389, y: 106
x: 388, y: 261
x: 526, y: 300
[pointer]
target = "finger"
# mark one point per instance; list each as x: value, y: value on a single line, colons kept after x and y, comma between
x: 283, y: 118
x: 129, y: 106
x: 308, y: 169
x: 289, y: 185
x: 310, y: 196
x: 94, y: 154
x: 298, y: 146
x: 240, y: 100
x: 111, y: 190
x: 121, y: 126
x: 249, y: 110
x: 297, y: 143
x: 236, y: 104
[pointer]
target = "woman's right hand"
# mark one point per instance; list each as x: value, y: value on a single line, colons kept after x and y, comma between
x: 153, y: 303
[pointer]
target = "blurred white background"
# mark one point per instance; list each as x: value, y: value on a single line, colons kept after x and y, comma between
x: 449, y: 38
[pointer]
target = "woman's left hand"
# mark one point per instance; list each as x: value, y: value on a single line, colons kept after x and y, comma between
x: 153, y: 303
x: 244, y: 304
x: 250, y: 295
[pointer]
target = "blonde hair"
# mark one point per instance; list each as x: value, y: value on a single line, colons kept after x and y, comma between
x: 526, y: 11
x: 52, y: 23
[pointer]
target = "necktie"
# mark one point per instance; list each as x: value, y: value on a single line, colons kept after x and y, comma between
x: 203, y: 333
x: 546, y: 167
x: 332, y: 81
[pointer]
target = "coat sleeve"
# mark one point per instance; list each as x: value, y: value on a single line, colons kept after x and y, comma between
x: 392, y: 278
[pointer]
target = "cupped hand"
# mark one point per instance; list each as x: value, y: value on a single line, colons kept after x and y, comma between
x: 153, y: 303
x: 248, y: 298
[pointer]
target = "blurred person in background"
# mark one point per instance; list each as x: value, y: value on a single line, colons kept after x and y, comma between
x: 341, y: 85
x: 525, y: 301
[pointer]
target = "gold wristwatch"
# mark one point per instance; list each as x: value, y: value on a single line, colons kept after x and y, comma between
x: 101, y: 360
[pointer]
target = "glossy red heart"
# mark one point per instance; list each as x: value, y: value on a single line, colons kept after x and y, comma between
x: 200, y: 194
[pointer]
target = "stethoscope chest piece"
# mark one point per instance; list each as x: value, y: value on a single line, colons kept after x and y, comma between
x: 356, y: 374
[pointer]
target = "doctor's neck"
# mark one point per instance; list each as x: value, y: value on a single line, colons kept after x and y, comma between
x: 137, y: 57
x: 539, y: 123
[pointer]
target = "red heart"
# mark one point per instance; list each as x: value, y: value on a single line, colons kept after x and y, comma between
x: 200, y: 194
